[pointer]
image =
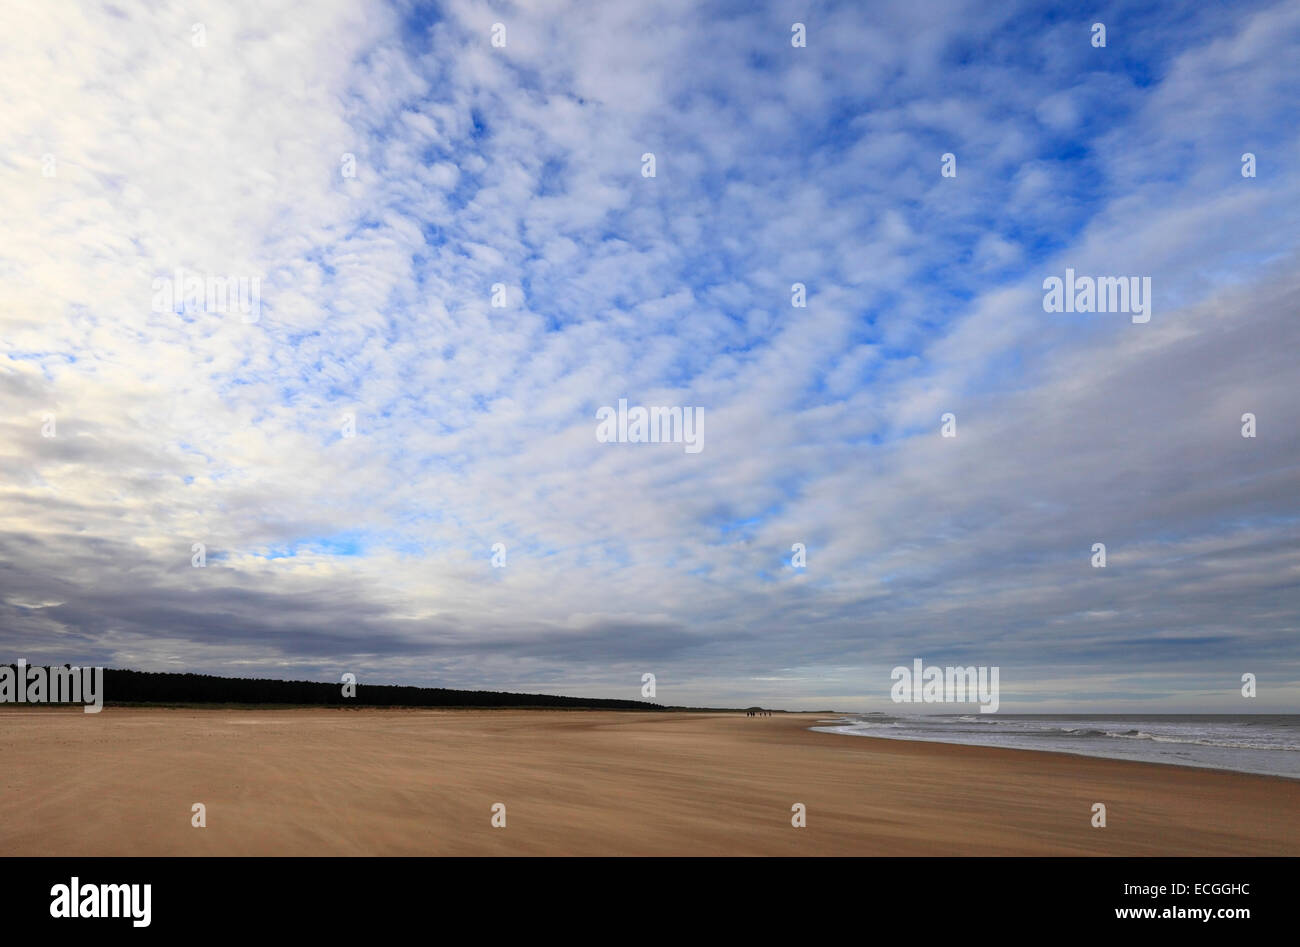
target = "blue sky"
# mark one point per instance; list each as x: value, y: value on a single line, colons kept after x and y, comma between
x: 477, y: 165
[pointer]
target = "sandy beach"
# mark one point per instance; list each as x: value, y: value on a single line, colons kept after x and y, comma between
x: 415, y: 782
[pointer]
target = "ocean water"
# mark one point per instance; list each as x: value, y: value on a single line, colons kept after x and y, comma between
x: 1244, y: 742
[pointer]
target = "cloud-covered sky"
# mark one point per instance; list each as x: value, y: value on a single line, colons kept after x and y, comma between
x: 137, y: 140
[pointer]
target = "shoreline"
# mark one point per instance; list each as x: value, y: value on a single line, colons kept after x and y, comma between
x: 1088, y: 756
x: 423, y: 782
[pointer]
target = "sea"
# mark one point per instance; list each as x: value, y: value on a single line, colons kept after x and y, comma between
x: 1247, y: 743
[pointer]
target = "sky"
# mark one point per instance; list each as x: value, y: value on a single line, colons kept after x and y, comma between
x: 349, y: 450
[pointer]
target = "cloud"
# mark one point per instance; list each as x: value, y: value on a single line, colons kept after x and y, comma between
x: 474, y: 424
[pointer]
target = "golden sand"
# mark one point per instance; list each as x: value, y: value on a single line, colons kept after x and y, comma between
x: 423, y: 782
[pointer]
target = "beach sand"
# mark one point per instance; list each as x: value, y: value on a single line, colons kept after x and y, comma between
x: 417, y: 782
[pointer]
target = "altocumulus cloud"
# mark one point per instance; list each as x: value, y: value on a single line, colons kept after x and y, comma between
x: 380, y: 169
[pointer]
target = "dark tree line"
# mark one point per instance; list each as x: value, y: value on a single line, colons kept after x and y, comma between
x: 149, y: 687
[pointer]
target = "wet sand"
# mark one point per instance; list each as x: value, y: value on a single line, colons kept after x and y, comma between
x: 420, y: 782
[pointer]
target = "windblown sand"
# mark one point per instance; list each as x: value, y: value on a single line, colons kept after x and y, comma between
x: 414, y: 782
